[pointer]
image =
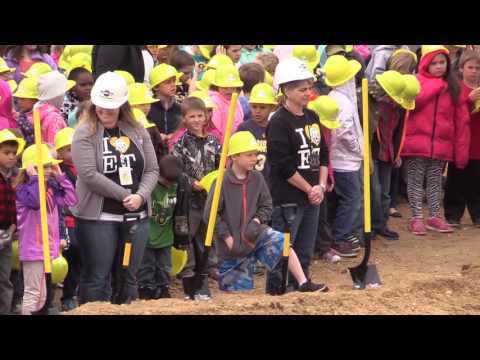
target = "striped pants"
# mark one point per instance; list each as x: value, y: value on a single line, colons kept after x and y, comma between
x: 417, y: 170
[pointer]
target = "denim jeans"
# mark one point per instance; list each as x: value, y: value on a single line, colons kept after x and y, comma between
x: 72, y: 255
x: 303, y: 235
x: 155, y: 269
x: 101, y: 249
x: 348, y: 188
x: 381, y: 180
x: 6, y: 287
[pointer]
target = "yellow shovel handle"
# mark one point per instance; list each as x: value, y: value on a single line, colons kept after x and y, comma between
x: 286, y: 245
x: 366, y: 158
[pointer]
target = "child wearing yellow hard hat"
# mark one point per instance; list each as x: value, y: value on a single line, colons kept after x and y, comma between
x: 60, y: 193
x: 227, y: 81
x: 462, y: 188
x: 26, y: 96
x: 262, y: 103
x: 166, y: 113
x: 241, y: 243
x: 199, y: 152
x: 346, y: 154
x: 71, y: 252
x: 10, y: 147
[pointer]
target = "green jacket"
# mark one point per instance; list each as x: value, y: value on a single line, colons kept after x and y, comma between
x: 161, y: 223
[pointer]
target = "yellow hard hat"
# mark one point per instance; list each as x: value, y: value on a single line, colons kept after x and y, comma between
x: 268, y: 78
x: 461, y: 46
x: 59, y: 270
x: 427, y: 49
x: 29, y: 157
x: 393, y: 83
x: 13, y: 85
x: 269, y: 47
x: 163, y: 72
x: 27, y: 89
x: 129, y: 79
x: 412, y: 89
x: 262, y: 93
x: 348, y: 48
x: 203, y: 95
x: 218, y: 60
x: 64, y: 138
x: 476, y: 107
x: 70, y: 51
x: 38, y: 69
x: 207, y: 79
x: 241, y: 142
x: 179, y: 260
x: 308, y: 54
x: 139, y: 94
x: 7, y: 135
x: 338, y: 70
x: 161, y: 46
x: 142, y: 118
x: 327, y: 110
x: 205, y: 50
x: 207, y: 180
x: 4, y: 67
x: 81, y: 60
x: 405, y: 51
x: 227, y: 76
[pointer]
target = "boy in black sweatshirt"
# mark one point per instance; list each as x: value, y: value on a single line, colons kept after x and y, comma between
x: 242, y: 235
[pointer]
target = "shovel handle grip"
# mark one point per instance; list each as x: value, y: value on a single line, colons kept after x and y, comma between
x: 126, y: 254
x: 286, y: 245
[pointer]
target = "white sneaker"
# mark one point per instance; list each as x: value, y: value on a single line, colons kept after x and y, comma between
x: 331, y: 257
x: 202, y: 297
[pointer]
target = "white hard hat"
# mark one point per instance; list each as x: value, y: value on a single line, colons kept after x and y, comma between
x: 291, y: 69
x: 52, y: 85
x: 110, y: 91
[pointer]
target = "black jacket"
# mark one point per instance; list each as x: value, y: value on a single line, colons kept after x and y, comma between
x: 118, y: 57
x: 167, y: 121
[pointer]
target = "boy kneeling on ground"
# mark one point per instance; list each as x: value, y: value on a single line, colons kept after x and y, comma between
x: 241, y: 232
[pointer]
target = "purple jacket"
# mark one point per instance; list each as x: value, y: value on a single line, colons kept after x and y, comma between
x: 60, y: 193
x: 35, y: 56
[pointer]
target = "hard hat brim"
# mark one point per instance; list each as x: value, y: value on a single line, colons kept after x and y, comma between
x: 233, y: 84
x: 145, y: 101
x: 52, y: 162
x: 382, y: 83
x: 331, y: 124
x: 111, y: 105
x: 262, y: 101
x: 408, y: 105
x: 205, y: 52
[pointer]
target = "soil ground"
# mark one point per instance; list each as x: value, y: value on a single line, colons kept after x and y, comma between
x: 433, y: 274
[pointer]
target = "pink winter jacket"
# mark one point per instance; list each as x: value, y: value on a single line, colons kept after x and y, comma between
x: 7, y: 118
x: 437, y: 128
x: 51, y: 120
x: 220, y: 114
x: 61, y: 193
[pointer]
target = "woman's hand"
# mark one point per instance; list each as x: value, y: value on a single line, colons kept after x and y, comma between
x: 221, y: 50
x: 196, y: 185
x: 133, y: 202
x: 474, y: 95
x: 229, y: 242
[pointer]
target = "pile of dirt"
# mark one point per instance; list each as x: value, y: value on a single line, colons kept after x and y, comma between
x: 434, y: 274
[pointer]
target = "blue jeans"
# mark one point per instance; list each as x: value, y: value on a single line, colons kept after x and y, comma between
x: 101, y: 249
x: 303, y: 235
x: 348, y: 188
x: 381, y: 180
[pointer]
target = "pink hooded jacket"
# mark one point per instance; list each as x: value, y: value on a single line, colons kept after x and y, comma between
x: 220, y: 114
x: 51, y: 120
x: 7, y: 118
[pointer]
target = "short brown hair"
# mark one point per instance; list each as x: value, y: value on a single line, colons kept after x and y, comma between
x: 192, y: 103
x: 468, y: 55
x: 251, y: 74
x: 269, y: 61
x: 180, y: 59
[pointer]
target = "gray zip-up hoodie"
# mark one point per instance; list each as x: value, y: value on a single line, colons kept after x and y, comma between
x: 240, y: 202
x: 92, y: 186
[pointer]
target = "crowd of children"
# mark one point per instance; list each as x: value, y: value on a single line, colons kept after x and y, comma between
x: 116, y: 143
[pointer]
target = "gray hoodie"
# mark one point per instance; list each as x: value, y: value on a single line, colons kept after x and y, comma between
x: 240, y: 202
x: 92, y: 186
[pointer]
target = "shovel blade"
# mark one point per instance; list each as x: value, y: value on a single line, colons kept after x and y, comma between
x: 365, y: 276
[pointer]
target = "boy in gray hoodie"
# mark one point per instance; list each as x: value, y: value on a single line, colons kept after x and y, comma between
x: 241, y: 232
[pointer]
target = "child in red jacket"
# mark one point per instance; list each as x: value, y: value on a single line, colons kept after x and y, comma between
x: 462, y: 185
x: 437, y: 131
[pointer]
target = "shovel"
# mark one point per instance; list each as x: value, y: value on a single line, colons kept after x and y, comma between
x: 121, y: 296
x: 289, y: 211
x: 365, y: 275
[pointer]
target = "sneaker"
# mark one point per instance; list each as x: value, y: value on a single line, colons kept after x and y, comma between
x: 355, y: 242
x: 310, y: 286
x: 331, y: 257
x: 439, y: 225
x: 417, y: 226
x: 395, y: 213
x: 68, y: 304
x: 202, y: 297
x: 344, y: 249
x: 388, y: 234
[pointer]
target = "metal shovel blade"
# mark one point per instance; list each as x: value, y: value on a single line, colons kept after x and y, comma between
x: 365, y: 275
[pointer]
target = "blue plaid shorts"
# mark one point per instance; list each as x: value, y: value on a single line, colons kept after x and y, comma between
x: 237, y: 275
